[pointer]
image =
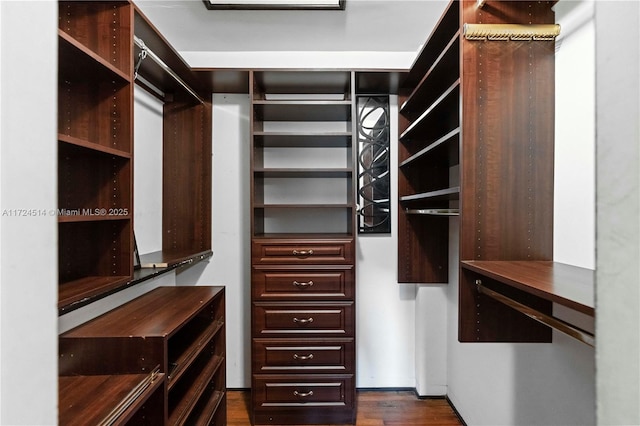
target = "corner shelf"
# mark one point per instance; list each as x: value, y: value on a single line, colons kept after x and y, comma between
x: 429, y: 145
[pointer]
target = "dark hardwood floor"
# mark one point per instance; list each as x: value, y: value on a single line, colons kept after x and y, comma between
x: 375, y: 408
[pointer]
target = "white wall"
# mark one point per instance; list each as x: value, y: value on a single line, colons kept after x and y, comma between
x: 28, y: 295
x: 385, y: 310
x: 147, y: 171
x: 574, y: 183
x: 230, y: 216
x: 618, y: 218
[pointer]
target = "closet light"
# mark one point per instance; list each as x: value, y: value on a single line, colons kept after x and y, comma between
x: 275, y: 4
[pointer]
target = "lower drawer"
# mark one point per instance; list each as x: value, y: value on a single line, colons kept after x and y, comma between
x: 303, y: 282
x: 289, y: 319
x: 303, y: 356
x: 308, y: 391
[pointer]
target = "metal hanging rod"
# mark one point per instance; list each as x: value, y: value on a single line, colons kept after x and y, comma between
x: 434, y: 212
x: 148, y: 52
x: 514, y: 32
x: 550, y: 321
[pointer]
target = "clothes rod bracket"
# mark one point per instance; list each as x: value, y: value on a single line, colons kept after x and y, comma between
x: 146, y: 52
x: 511, y: 32
x: 548, y: 320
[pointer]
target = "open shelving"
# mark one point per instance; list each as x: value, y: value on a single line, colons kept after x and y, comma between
x: 180, y: 331
x: 302, y: 152
x: 95, y: 141
x: 476, y: 141
x: 429, y: 146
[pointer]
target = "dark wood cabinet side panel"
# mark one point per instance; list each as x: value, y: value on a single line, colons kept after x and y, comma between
x: 508, y: 176
x: 113, y: 355
x: 187, y: 177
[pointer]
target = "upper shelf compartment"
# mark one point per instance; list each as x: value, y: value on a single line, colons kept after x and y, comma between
x: 84, y: 24
x: 302, y: 85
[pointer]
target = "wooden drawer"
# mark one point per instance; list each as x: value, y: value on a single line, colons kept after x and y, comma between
x: 276, y: 392
x: 293, y: 251
x: 303, y: 356
x: 301, y: 282
x: 300, y: 319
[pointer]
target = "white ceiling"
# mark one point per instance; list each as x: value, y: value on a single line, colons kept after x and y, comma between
x: 364, y: 26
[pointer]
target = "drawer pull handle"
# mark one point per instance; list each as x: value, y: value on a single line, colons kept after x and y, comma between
x: 303, y: 357
x: 303, y: 394
x: 307, y: 284
x: 303, y: 320
x: 302, y: 252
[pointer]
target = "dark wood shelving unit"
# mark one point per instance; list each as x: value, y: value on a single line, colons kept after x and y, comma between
x: 429, y: 126
x: 476, y: 140
x: 303, y: 247
x: 179, y: 329
x: 187, y: 147
x: 95, y: 222
x: 95, y: 141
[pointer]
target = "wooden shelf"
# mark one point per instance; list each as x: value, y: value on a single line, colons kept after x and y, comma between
x: 444, y: 150
x: 560, y: 283
x: 92, y: 399
x: 97, y: 216
x: 302, y: 139
x: 309, y: 237
x: 87, y: 287
x: 303, y: 173
x: 169, y: 258
x: 441, y: 194
x: 439, y: 111
x: 303, y: 206
x: 179, y: 410
x: 193, y: 348
x: 438, y: 76
x: 302, y: 110
x: 82, y: 143
x: 84, y: 58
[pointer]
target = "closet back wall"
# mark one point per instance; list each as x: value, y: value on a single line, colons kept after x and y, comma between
x: 147, y: 171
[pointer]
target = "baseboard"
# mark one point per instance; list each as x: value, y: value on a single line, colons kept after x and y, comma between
x: 455, y: 410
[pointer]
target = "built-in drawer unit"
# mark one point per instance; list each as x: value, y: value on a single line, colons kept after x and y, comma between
x: 307, y: 251
x: 303, y: 329
x: 326, y: 282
